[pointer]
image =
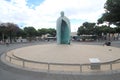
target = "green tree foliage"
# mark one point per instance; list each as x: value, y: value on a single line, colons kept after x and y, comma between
x: 112, y: 14
x: 117, y: 29
x: 52, y: 32
x: 9, y: 30
x: 30, y: 31
x: 44, y: 31
x: 2, y: 31
x: 81, y: 30
x: 97, y: 31
x: 105, y: 29
x: 21, y: 33
x: 87, y: 28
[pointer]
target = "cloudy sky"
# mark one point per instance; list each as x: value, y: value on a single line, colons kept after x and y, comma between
x: 44, y: 13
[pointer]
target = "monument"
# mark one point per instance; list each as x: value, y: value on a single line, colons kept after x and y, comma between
x: 63, y: 30
x: 52, y: 57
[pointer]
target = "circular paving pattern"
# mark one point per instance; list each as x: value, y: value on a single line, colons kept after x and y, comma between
x: 68, y: 54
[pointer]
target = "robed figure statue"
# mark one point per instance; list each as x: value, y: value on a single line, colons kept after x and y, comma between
x: 63, y: 30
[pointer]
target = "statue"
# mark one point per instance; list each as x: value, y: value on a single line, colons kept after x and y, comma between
x: 63, y: 30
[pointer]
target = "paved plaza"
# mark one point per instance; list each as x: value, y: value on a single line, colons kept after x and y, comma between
x: 70, y: 54
x: 10, y: 73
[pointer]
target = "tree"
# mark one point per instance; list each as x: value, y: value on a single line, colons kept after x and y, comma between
x: 89, y: 27
x: 81, y: 30
x: 9, y: 30
x: 30, y: 31
x: 3, y: 30
x: 86, y: 28
x: 117, y: 31
x: 12, y: 30
x: 98, y: 31
x: 104, y: 30
x: 52, y: 32
x: 44, y: 31
x: 21, y: 33
x: 112, y: 14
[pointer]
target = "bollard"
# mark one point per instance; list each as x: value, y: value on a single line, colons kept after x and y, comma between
x: 80, y: 68
x: 10, y: 59
x: 110, y: 66
x: 48, y: 67
x: 23, y: 63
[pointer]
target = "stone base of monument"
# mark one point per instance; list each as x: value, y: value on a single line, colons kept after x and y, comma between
x: 74, y: 57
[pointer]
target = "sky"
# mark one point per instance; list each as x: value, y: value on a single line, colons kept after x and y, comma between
x: 44, y: 13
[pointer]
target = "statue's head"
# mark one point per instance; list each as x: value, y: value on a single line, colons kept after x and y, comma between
x: 62, y: 13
